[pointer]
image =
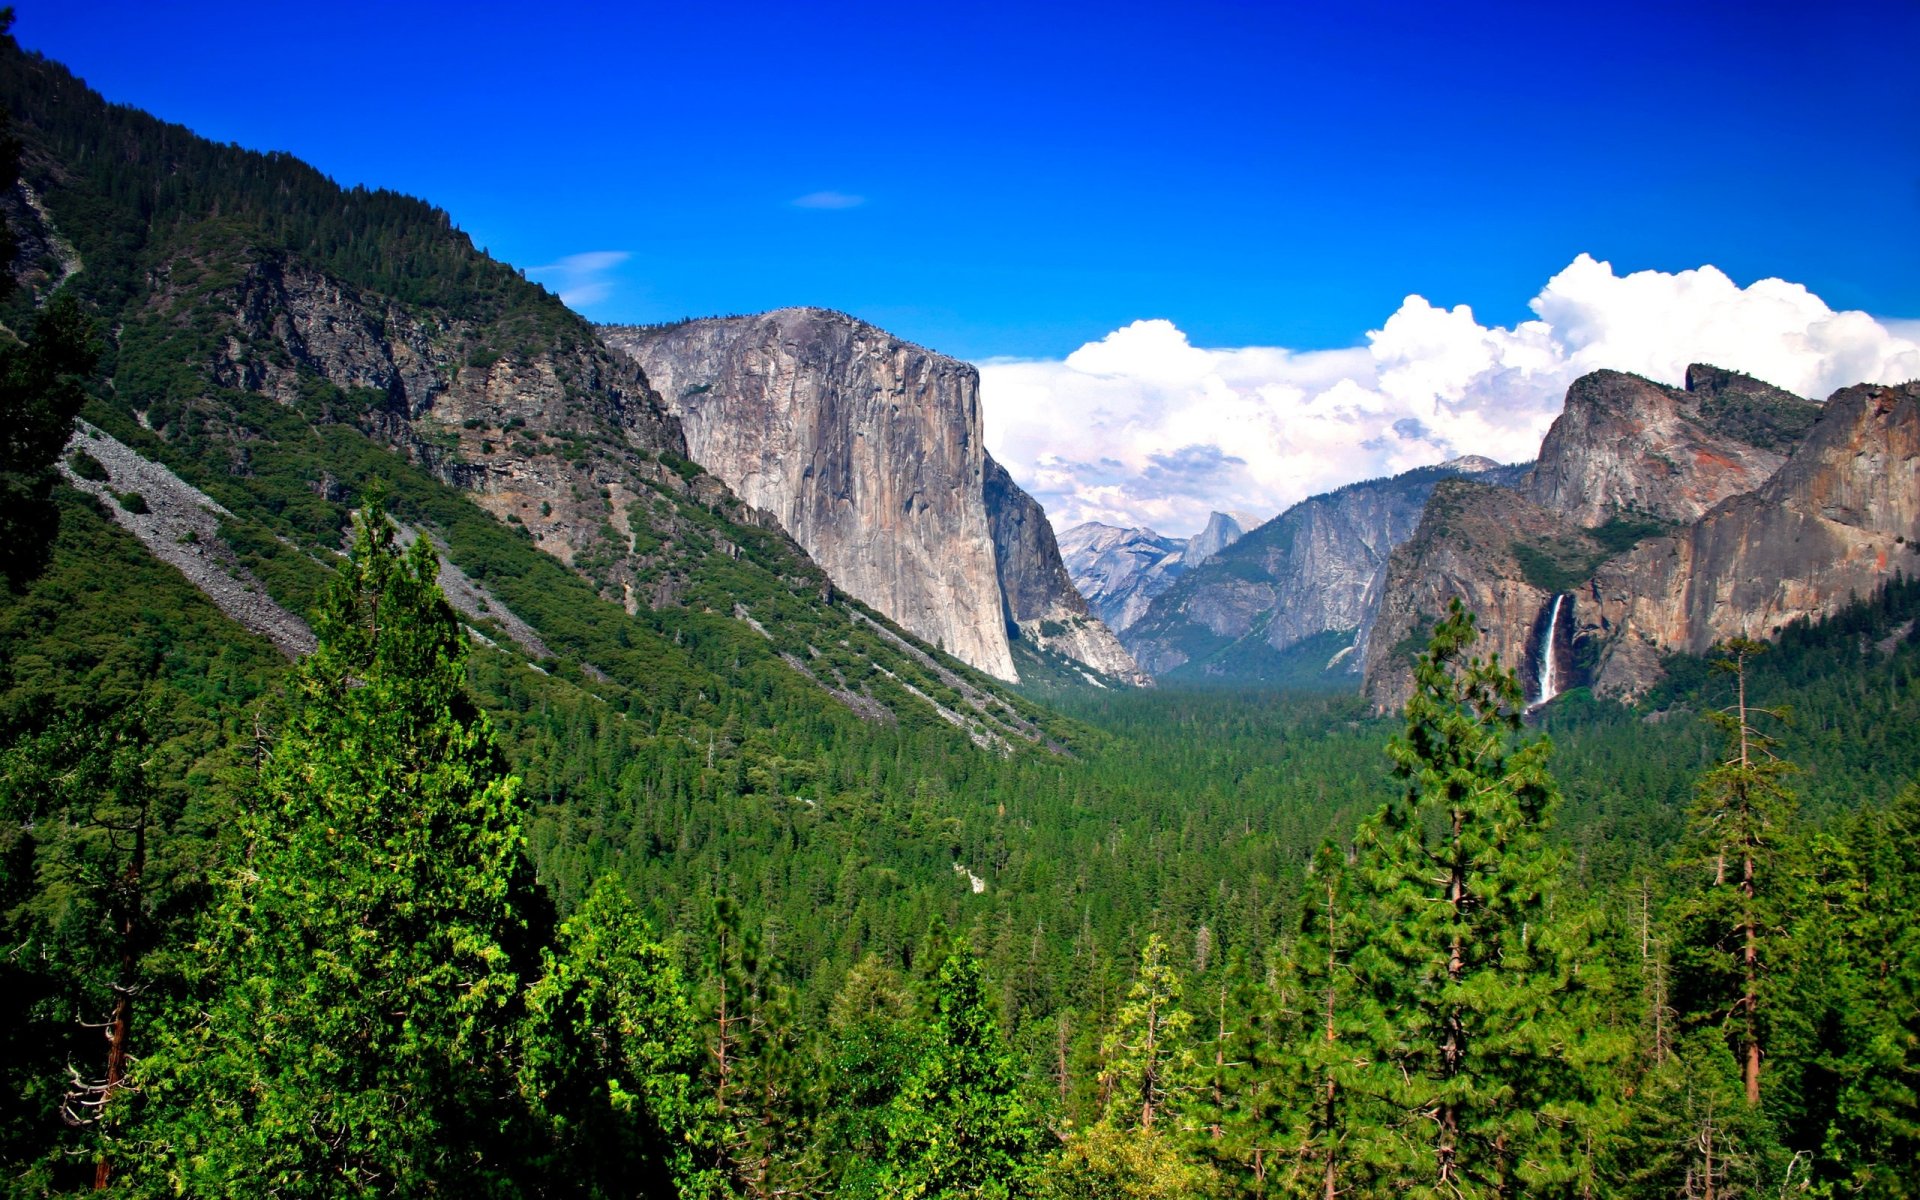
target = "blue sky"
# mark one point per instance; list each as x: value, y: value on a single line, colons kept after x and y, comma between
x: 1020, y: 180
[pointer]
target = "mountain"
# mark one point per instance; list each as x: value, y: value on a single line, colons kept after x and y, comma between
x: 1660, y: 520
x: 868, y: 451
x: 1120, y: 571
x: 1837, y: 521
x: 277, y: 345
x: 1222, y: 530
x: 1302, y: 586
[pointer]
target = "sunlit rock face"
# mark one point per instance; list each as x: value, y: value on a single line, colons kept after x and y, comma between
x: 1120, y: 571
x: 868, y: 451
x: 1626, y: 446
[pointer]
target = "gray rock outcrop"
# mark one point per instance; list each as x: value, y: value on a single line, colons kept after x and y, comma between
x: 1042, y: 603
x: 1751, y: 508
x: 1624, y: 445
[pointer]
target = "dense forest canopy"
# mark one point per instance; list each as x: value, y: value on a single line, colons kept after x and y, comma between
x: 655, y: 914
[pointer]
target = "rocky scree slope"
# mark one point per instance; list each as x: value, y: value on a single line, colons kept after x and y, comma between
x: 868, y: 451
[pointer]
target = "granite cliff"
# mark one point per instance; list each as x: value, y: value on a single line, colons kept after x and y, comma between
x: 867, y: 450
x: 276, y: 344
x: 1120, y: 571
x: 1626, y: 445
x: 1835, y: 521
x: 1043, y: 607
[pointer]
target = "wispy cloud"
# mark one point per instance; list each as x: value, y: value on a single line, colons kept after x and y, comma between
x: 1144, y: 428
x: 828, y: 200
x: 581, y: 279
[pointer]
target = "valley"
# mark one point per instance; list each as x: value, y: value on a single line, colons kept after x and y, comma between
x: 453, y: 747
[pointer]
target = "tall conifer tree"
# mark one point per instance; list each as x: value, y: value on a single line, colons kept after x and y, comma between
x: 1483, y: 1040
x: 369, y: 958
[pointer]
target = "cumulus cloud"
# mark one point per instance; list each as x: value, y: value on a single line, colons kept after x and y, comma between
x: 581, y: 279
x: 1144, y: 428
x: 829, y: 200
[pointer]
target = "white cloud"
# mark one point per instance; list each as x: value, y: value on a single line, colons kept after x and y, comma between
x: 829, y: 200
x: 581, y: 279
x: 1144, y: 428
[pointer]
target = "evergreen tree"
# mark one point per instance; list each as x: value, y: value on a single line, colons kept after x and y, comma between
x: 1484, y: 1037
x: 83, y: 799
x: 41, y: 392
x: 873, y: 1027
x: 1691, y: 1133
x: 367, y: 964
x: 1101, y: 1162
x: 1317, y: 1088
x: 960, y: 1126
x: 1150, y: 1067
x: 1728, y: 921
x: 1873, y: 1138
x: 612, y: 1059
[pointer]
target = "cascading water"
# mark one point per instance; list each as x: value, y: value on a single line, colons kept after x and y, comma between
x: 1549, y: 682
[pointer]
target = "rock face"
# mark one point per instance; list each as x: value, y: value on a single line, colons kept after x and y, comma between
x: 1120, y: 571
x: 868, y: 452
x: 1775, y: 509
x: 1624, y: 445
x: 1836, y: 521
x: 1315, y: 569
x: 1042, y: 604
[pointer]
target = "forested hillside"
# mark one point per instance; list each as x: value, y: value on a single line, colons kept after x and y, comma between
x: 736, y: 890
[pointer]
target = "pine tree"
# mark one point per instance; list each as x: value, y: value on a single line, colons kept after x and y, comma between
x: 1484, y: 1039
x: 1691, y: 1133
x: 960, y: 1126
x: 367, y: 962
x: 1741, y: 809
x: 1317, y: 1088
x: 1150, y: 1066
x: 874, y: 1031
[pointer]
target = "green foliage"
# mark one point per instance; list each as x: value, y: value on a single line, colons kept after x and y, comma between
x: 1150, y: 1067
x: 1105, y: 1163
x: 613, y: 1058
x: 1733, y: 901
x: 959, y: 1125
x: 87, y: 467
x: 40, y: 393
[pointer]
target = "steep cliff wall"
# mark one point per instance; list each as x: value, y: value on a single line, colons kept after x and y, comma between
x: 1836, y: 521
x: 1471, y: 543
x: 1832, y: 519
x: 1120, y: 571
x: 867, y: 450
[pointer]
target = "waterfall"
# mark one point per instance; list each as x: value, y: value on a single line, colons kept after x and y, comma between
x: 1549, y: 684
